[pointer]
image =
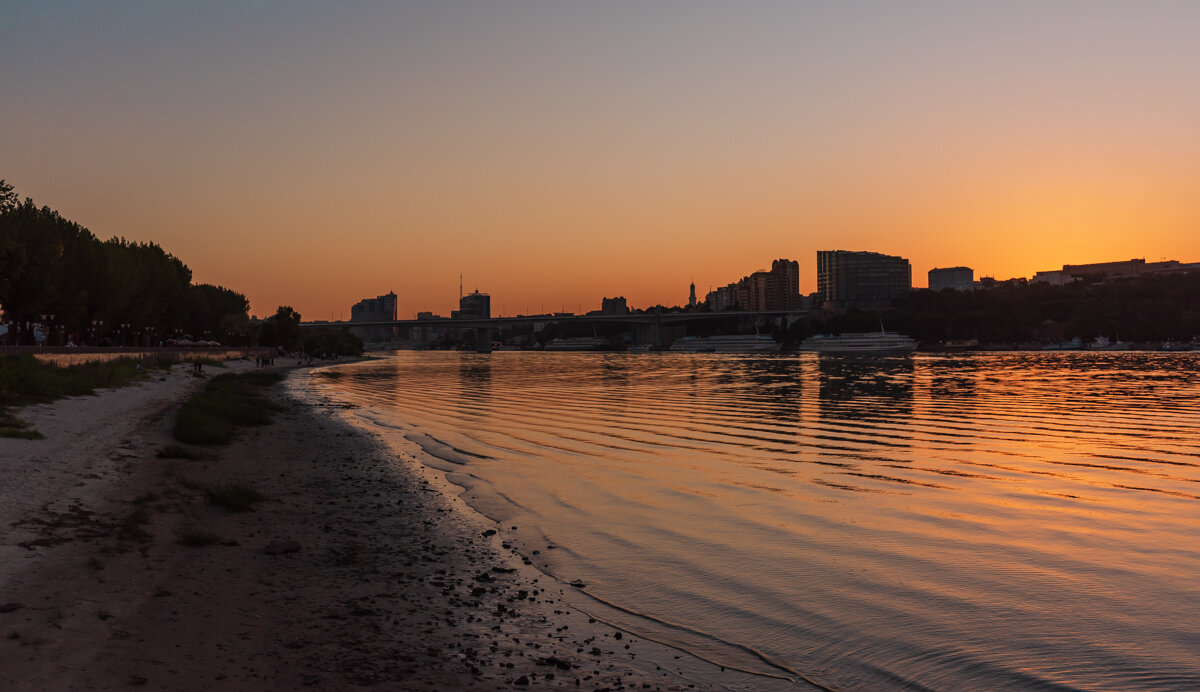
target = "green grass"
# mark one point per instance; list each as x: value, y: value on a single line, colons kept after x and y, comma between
x: 227, y: 402
x: 233, y: 496
x: 11, y: 426
x: 25, y: 380
x: 197, y: 538
x: 180, y: 452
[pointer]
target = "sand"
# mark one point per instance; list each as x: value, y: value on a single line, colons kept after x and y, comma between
x: 361, y: 568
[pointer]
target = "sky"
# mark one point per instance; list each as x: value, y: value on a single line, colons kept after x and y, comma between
x: 553, y: 153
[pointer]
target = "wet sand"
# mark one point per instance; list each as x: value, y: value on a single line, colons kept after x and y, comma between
x: 361, y: 568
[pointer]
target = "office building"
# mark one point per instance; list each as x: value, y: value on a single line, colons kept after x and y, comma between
x: 865, y: 280
x: 473, y: 306
x: 954, y: 278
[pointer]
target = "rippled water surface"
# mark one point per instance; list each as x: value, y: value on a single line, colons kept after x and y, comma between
x: 982, y: 521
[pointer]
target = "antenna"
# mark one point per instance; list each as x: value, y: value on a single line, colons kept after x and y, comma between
x: 460, y: 286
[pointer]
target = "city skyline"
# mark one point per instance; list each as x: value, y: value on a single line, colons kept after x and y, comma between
x: 311, y: 155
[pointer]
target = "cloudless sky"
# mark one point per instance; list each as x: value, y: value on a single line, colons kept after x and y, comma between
x: 553, y: 153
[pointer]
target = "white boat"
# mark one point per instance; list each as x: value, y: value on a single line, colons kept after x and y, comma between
x: 859, y: 342
x: 1102, y: 343
x: 579, y: 343
x: 734, y: 343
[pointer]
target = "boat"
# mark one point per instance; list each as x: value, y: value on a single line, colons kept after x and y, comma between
x: 859, y: 342
x: 733, y: 343
x: 1102, y: 343
x: 579, y: 343
x: 1072, y: 345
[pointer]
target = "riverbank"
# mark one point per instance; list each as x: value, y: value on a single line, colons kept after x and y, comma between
x: 358, y: 568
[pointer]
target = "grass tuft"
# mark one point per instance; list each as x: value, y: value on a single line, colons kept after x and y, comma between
x: 227, y: 403
x: 11, y: 426
x: 233, y: 496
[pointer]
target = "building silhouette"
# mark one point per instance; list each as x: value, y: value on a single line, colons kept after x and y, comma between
x: 1109, y: 270
x: 614, y: 306
x: 865, y: 280
x: 473, y: 306
x: 777, y: 289
x: 692, y: 296
x: 378, y: 309
x: 956, y: 278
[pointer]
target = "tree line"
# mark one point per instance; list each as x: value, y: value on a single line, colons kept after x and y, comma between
x: 59, y: 280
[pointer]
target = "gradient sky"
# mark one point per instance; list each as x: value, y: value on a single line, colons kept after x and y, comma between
x: 313, y: 154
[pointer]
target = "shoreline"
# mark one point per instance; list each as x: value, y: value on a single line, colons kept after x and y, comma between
x: 358, y: 569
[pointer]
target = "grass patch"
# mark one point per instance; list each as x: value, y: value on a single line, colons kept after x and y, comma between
x: 197, y: 538
x: 131, y: 526
x: 179, y: 452
x: 11, y: 426
x: 233, y: 496
x: 228, y: 402
x: 25, y: 380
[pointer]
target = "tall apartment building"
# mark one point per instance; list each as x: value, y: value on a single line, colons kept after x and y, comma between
x: 473, y: 306
x: 777, y: 289
x: 378, y: 309
x: 867, y: 280
x: 956, y: 278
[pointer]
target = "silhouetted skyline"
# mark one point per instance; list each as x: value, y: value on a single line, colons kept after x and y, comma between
x: 314, y: 154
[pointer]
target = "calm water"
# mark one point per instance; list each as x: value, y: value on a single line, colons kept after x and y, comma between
x: 982, y: 521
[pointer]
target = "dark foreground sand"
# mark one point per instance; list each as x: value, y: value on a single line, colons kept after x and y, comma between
x: 359, y: 570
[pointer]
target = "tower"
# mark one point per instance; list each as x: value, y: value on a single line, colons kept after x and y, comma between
x: 692, y: 295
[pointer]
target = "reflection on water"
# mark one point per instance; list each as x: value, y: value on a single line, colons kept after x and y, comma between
x: 966, y: 521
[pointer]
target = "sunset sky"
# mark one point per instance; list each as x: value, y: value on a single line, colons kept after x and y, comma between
x: 553, y: 153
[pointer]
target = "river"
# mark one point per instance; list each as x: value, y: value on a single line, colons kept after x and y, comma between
x: 926, y: 521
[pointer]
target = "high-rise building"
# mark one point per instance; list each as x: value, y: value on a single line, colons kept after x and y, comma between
x: 614, y: 306
x: 777, y: 289
x: 867, y: 280
x: 956, y: 278
x: 473, y: 306
x: 379, y: 309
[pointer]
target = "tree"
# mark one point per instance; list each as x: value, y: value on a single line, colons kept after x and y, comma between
x: 8, y: 198
x: 283, y: 329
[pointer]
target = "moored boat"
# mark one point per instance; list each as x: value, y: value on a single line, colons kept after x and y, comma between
x: 859, y: 342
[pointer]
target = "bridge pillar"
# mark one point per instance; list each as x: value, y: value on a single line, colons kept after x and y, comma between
x: 483, y: 340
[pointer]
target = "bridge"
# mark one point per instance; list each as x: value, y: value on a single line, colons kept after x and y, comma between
x: 653, y: 328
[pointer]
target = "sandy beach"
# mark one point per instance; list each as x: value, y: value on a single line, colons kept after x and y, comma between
x: 361, y: 568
